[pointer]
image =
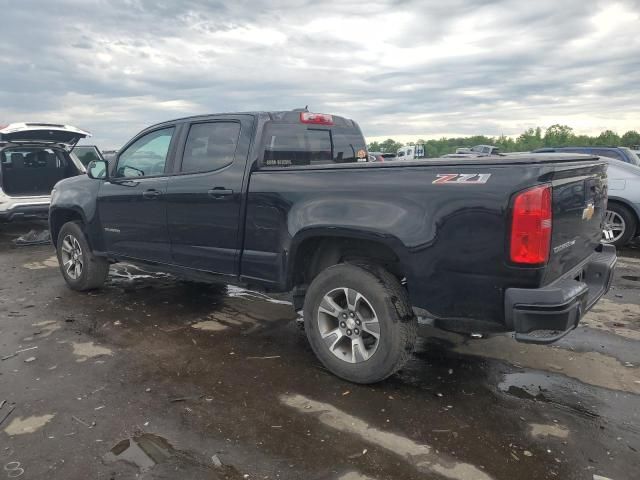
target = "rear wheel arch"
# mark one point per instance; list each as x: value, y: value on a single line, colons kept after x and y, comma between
x: 314, y: 253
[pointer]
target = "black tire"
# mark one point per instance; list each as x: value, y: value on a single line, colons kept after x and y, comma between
x: 630, y: 220
x: 94, y: 270
x: 397, y: 322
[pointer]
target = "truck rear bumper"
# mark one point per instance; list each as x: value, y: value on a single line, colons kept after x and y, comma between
x: 544, y: 315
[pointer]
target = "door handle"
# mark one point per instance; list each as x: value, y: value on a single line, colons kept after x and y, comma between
x: 219, y: 192
x: 151, y: 194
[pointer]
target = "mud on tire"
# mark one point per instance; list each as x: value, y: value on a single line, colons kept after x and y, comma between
x: 72, y: 245
x: 382, y: 297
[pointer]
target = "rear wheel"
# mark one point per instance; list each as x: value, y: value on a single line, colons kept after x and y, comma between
x: 621, y: 222
x: 359, y: 322
x: 81, y: 269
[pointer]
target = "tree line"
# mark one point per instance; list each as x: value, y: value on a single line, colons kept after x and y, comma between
x: 531, y: 139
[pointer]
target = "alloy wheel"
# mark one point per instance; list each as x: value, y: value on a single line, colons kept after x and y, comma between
x: 71, y: 255
x: 615, y: 224
x: 348, y: 325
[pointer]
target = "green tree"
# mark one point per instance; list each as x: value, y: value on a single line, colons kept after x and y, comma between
x: 630, y: 139
x: 390, y: 146
x: 529, y: 140
x: 558, y: 136
x: 374, y: 147
x: 608, y: 138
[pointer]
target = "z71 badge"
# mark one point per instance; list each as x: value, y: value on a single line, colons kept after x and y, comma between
x: 466, y: 178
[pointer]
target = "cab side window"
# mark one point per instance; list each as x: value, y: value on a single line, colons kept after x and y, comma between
x: 147, y: 156
x: 210, y: 146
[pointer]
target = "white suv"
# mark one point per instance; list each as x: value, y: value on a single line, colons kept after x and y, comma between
x: 33, y: 158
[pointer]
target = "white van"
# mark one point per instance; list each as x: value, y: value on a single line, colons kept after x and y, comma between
x: 411, y: 152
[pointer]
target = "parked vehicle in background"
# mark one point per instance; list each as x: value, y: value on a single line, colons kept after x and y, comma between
x: 33, y: 158
x: 623, y: 154
x: 476, y: 151
x: 87, y: 153
x: 381, y: 157
x: 282, y: 201
x: 410, y: 152
x: 405, y: 153
x: 622, y: 219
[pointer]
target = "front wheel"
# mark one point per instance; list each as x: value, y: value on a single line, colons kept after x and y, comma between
x: 359, y: 322
x: 81, y: 269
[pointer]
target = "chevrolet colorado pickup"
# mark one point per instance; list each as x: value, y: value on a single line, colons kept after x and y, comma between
x: 286, y: 201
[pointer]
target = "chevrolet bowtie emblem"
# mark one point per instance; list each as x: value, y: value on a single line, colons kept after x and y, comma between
x: 587, y: 213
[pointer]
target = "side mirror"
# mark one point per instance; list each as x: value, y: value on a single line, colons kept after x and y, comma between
x: 98, y: 170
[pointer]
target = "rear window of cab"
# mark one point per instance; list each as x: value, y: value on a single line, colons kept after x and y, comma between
x: 290, y: 145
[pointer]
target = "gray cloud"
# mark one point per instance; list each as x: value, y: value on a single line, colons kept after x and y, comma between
x: 399, y: 67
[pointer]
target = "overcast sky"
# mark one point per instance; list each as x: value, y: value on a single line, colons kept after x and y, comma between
x: 401, y: 68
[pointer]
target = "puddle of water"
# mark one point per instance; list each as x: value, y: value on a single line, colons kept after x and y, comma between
x: 144, y: 451
x: 19, y: 425
x: 547, y: 388
x: 618, y: 408
x: 147, y: 451
x: 592, y: 368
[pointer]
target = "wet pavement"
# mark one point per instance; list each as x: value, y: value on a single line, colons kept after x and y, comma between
x: 156, y: 378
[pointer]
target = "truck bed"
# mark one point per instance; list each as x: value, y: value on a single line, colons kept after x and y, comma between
x: 452, y: 239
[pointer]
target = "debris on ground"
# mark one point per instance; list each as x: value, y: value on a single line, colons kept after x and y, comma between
x: 34, y: 237
x: 30, y: 359
x: 216, y: 461
x: 4, y: 415
x: 88, y: 425
x: 184, y: 399
x: 14, y: 354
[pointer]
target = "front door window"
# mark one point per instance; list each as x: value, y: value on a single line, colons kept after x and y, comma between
x: 147, y: 156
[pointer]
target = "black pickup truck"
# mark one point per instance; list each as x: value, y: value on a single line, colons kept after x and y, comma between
x: 287, y: 202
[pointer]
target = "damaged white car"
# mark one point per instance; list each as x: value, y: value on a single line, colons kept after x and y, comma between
x: 33, y: 158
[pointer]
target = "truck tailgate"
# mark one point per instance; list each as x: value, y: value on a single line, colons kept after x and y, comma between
x: 579, y: 202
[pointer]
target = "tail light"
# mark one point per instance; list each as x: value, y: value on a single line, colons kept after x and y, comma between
x: 316, y: 118
x: 531, y: 226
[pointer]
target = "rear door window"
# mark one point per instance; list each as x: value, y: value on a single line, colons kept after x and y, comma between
x: 210, y: 146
